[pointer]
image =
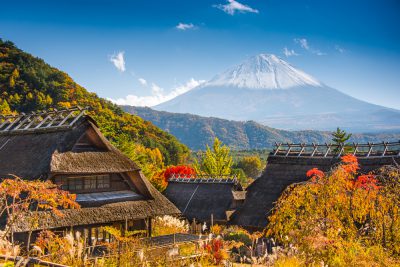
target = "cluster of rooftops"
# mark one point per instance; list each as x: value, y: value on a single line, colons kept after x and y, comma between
x: 67, y: 147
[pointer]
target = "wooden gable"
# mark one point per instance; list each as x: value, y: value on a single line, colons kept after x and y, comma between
x: 90, y: 141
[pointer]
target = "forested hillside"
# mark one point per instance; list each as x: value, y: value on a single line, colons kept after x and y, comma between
x: 196, y: 131
x: 29, y: 84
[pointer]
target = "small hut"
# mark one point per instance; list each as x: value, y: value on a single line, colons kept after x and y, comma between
x: 288, y: 164
x: 210, y: 200
x: 67, y: 148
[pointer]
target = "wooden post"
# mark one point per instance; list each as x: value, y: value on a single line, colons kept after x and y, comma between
x: 355, y: 149
x: 302, y: 149
x: 341, y: 150
x: 328, y: 148
x: 277, y: 148
x: 288, y: 151
x: 90, y: 236
x: 315, y: 149
x: 212, y: 220
x: 370, y: 149
x: 149, y: 231
x: 385, y: 148
x: 126, y: 226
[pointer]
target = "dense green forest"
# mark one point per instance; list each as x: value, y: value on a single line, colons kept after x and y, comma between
x: 197, y: 131
x: 27, y: 84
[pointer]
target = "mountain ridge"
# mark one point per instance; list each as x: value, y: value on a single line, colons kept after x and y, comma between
x: 197, y: 132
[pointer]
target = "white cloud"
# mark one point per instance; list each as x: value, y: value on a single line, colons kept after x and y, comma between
x: 184, y: 26
x: 319, y: 53
x: 340, y: 49
x: 118, y: 61
x: 233, y: 6
x: 157, y: 95
x: 303, y: 42
x: 142, y: 81
x: 289, y: 53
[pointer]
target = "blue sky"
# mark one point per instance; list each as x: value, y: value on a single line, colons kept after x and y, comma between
x: 153, y: 50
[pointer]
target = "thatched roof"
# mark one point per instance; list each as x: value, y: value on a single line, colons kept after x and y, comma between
x: 90, y: 162
x: 113, y: 212
x: 199, y: 198
x: 280, y: 172
x: 36, y: 154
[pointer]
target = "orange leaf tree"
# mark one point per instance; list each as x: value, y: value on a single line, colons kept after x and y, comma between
x: 22, y: 200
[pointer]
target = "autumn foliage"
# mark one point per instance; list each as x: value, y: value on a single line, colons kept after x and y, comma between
x: 22, y: 200
x: 341, y: 218
x: 181, y: 171
x: 216, y: 249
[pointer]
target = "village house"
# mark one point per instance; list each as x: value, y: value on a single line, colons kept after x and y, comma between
x: 67, y: 148
x: 205, y: 200
x: 289, y: 163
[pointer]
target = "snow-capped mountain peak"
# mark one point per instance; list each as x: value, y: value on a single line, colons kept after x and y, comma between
x: 264, y: 71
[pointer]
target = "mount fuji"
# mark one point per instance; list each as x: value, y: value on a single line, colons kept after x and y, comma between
x: 269, y: 90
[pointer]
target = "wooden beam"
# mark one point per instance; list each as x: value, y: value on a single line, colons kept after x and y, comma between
x: 22, y: 122
x: 66, y: 118
x: 288, y: 151
x: 315, y: 149
x: 302, y: 149
x: 328, y: 148
x: 370, y: 149
x: 14, y: 122
x: 31, y: 122
x: 385, y: 148
x: 341, y: 150
x: 6, y: 120
x: 277, y: 148
x: 355, y: 148
x: 57, y: 116
x: 43, y: 121
x: 77, y: 117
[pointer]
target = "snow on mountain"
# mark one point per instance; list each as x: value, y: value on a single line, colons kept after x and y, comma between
x: 269, y: 90
x: 264, y: 71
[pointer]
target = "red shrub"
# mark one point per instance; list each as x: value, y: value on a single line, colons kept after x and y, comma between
x: 315, y: 172
x: 366, y: 181
x: 350, y: 164
x: 181, y: 170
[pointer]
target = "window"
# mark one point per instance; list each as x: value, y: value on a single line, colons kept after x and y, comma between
x: 75, y: 183
x: 90, y: 182
x: 103, y: 181
x: 84, y: 182
x: 62, y: 182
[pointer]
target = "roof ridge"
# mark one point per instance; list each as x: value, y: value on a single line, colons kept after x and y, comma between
x: 41, y: 121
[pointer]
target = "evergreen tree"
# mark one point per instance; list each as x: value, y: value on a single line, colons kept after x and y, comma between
x: 216, y: 162
x: 339, y: 138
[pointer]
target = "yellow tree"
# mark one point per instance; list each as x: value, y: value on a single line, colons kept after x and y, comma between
x: 216, y: 162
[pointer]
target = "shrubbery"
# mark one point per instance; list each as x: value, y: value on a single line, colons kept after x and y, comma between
x: 342, y: 217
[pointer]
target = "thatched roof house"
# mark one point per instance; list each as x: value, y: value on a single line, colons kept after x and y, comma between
x: 67, y: 148
x: 290, y: 164
x: 202, y: 199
